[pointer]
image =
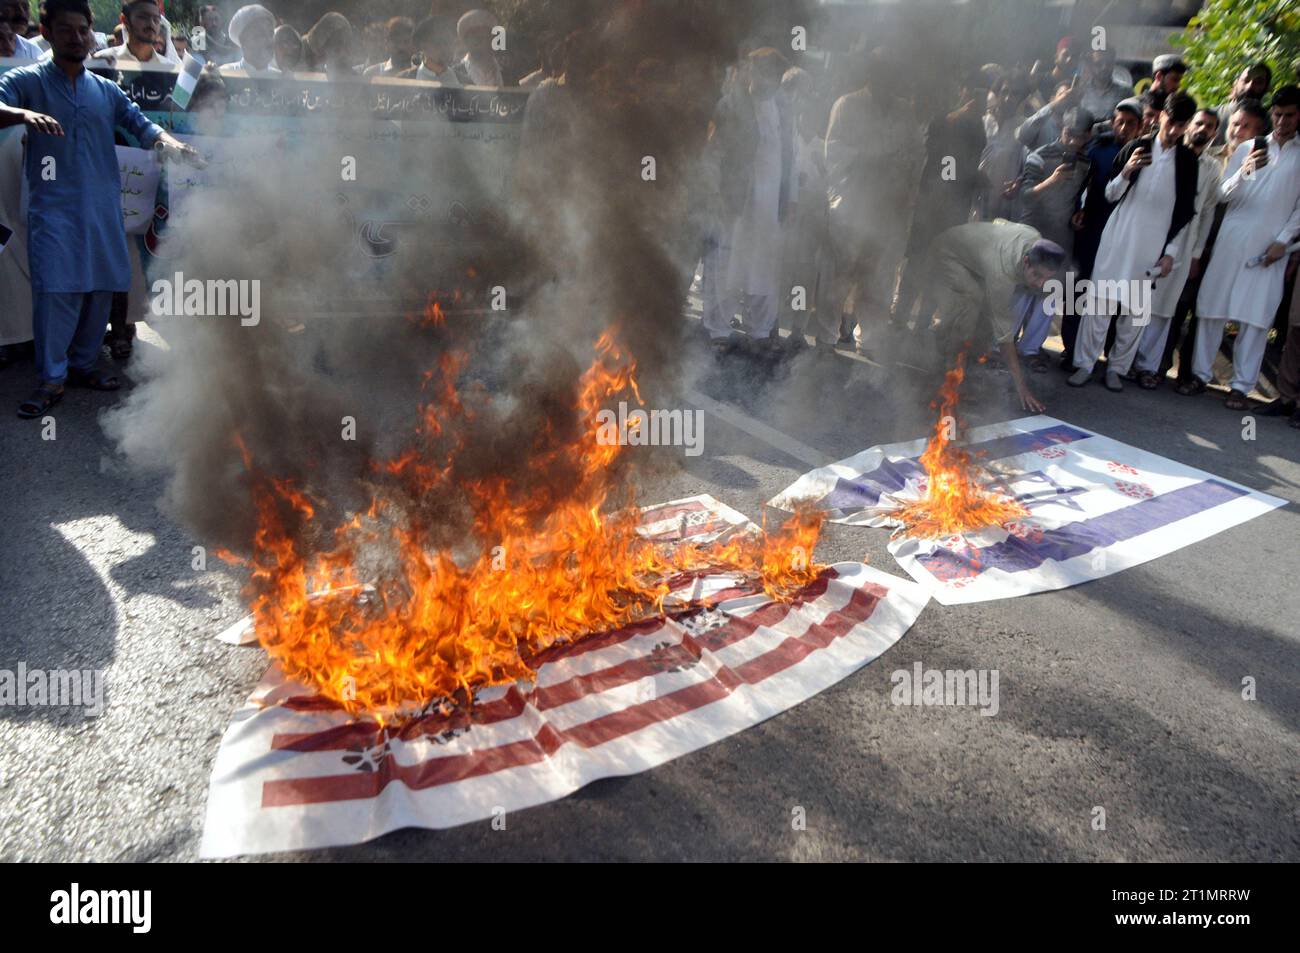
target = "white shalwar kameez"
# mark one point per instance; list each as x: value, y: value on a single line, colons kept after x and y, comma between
x: 15, y: 273
x: 754, y: 265
x: 1168, y: 292
x: 1131, y: 244
x: 1262, y: 208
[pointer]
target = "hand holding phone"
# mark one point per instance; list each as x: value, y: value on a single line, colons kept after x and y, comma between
x: 1141, y: 157
x: 1260, y: 151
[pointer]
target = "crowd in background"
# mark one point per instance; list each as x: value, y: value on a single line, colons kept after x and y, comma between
x: 454, y: 43
x: 65, y: 247
x: 858, y: 208
x: 892, y: 213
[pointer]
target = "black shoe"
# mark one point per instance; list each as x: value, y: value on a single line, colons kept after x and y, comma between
x: 1276, y: 408
x: 722, y: 346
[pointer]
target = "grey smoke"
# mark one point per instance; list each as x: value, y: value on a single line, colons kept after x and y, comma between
x: 585, y: 245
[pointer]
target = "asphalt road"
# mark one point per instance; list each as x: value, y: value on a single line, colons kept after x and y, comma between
x: 1124, y: 693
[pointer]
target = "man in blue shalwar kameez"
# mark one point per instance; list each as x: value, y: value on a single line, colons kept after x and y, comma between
x: 76, y: 238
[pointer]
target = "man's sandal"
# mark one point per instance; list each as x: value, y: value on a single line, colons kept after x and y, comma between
x: 92, y: 380
x: 1193, y: 387
x: 1148, y: 381
x: 42, y: 399
x: 1237, y: 401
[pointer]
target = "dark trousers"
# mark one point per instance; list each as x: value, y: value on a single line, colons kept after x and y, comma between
x: 1182, y: 334
x: 118, y: 328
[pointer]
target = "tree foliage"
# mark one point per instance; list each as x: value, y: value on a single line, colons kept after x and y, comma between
x: 1228, y: 35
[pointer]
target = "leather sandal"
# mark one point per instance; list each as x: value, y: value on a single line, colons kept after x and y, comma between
x: 42, y: 399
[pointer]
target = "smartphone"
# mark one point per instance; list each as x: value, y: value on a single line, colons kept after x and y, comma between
x: 1261, y: 142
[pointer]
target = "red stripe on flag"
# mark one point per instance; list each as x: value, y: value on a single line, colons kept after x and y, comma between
x: 688, y: 532
x: 437, y: 771
x: 368, y: 733
x: 667, y: 511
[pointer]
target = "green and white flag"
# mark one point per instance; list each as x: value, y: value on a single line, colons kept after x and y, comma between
x: 187, y: 80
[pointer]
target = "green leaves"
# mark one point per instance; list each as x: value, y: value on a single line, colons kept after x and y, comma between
x: 1228, y: 35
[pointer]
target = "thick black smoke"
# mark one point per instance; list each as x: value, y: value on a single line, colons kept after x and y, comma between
x: 584, y: 244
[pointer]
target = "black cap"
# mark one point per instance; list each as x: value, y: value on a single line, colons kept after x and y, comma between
x: 1168, y: 62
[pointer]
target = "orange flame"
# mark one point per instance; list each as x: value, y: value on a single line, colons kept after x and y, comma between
x: 954, y: 501
x: 548, y: 566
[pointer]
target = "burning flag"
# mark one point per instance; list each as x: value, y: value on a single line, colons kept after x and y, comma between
x: 295, y: 770
x: 955, y: 494
x: 421, y: 680
x: 1085, y: 506
x: 374, y: 612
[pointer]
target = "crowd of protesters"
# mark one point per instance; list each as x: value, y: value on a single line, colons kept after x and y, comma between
x: 1151, y: 230
x: 66, y: 277
x: 1147, y: 227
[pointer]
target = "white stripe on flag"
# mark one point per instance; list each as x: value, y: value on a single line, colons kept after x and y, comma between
x: 187, y: 80
x: 263, y: 800
x: 1096, y: 506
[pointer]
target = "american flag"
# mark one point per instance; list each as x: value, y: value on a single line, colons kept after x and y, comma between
x: 293, y: 772
x: 1095, y: 506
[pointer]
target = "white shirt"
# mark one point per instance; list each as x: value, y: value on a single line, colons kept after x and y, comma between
x: 1262, y: 208
x: 123, y: 54
x: 26, y: 49
x: 447, y: 77
x: 1135, y: 235
x: 1101, y: 103
x: 483, y: 74
x: 255, y: 73
x: 754, y: 264
x: 386, y: 68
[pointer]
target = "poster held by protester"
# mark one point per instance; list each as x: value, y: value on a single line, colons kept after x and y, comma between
x: 140, y: 175
x: 410, y: 169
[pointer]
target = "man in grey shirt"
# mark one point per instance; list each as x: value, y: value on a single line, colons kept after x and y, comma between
x: 1101, y: 91
x: 1053, y: 178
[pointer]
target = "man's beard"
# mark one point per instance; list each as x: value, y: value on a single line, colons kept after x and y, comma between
x: 1200, y: 139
